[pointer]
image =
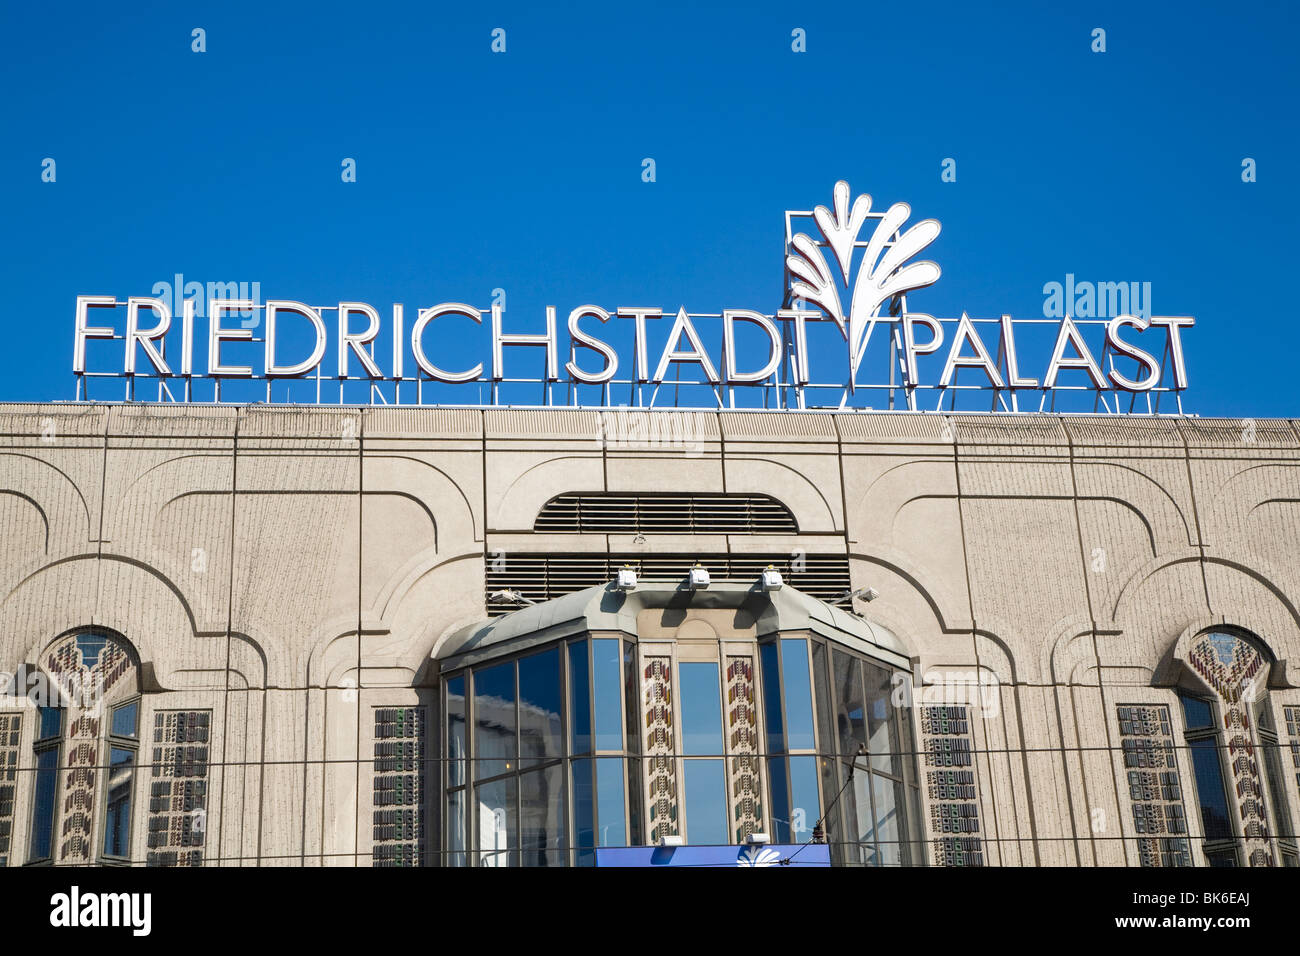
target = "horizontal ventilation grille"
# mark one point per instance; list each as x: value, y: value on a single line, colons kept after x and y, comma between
x: 542, y: 577
x: 602, y: 513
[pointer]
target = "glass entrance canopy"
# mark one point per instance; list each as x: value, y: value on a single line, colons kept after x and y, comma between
x: 667, y: 717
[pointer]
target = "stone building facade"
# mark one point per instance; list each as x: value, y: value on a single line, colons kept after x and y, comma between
x: 1092, y: 618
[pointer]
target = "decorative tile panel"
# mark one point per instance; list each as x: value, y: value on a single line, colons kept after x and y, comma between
x: 660, y: 750
x: 178, y: 788
x: 950, y: 785
x: 745, y: 782
x: 1147, y: 742
x: 399, y: 834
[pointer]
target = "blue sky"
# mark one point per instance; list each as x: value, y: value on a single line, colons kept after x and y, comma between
x: 522, y: 170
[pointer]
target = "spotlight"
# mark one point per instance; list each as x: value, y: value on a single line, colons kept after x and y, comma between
x: 770, y: 580
x: 508, y: 596
x: 758, y: 838
x: 698, y: 579
x: 672, y: 840
x: 626, y: 580
x: 866, y: 594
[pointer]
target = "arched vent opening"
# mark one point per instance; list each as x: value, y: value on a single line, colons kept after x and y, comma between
x: 598, y: 512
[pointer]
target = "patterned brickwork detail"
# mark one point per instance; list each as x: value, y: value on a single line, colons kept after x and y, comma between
x: 950, y: 785
x: 742, y: 747
x: 178, y: 787
x: 1147, y: 742
x: 399, y: 834
x: 1231, y: 667
x: 10, y: 730
x: 661, y: 765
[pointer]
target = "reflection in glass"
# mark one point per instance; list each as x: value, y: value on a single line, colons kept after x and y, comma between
x: 579, y: 698
x: 888, y: 795
x: 795, y: 808
x: 47, y: 771
x: 1209, y: 787
x: 609, y: 801
x: 701, y: 704
x: 866, y: 834
x: 631, y: 695
x: 850, y: 717
x: 540, y: 735
x: 497, y: 823
x: 772, y: 698
x: 117, y: 815
x: 607, y: 669
x: 494, y: 720
x: 880, y: 726
x: 456, y: 731
x: 124, y: 719
x: 456, y: 828
x: 541, y: 805
x: 584, y: 813
x: 706, y: 802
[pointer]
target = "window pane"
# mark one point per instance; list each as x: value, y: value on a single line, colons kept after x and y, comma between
x: 772, y: 698
x: 456, y: 731
x: 584, y: 812
x: 866, y: 835
x: 778, y: 774
x: 117, y: 815
x: 803, y: 794
x: 494, y: 720
x: 795, y: 808
x: 607, y: 667
x: 798, y: 694
x: 634, y: 785
x: 701, y: 702
x: 609, y: 801
x: 497, y: 823
x: 541, y: 808
x: 456, y: 828
x: 631, y: 698
x: 51, y: 723
x: 579, y: 698
x: 540, y: 736
x: 850, y: 717
x: 1277, y: 790
x: 1197, y: 713
x: 125, y: 719
x: 47, y: 771
x: 1221, y: 857
x: 1210, y: 790
x: 706, y: 802
x: 889, y: 806
x: 880, y: 719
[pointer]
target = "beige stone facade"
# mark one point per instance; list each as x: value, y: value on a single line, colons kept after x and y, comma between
x: 281, y: 575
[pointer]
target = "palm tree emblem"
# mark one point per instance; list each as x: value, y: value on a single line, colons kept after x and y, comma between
x: 882, y: 273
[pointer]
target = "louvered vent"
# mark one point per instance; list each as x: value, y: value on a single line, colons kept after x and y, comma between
x: 541, y: 577
x: 612, y: 513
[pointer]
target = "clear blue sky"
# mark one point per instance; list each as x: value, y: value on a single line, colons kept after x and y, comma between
x: 523, y: 170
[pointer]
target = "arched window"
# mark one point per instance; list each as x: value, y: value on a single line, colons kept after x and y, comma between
x: 86, y: 750
x: 1233, y: 745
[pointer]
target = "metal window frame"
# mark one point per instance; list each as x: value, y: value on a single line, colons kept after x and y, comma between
x: 1212, y: 733
x: 108, y: 741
